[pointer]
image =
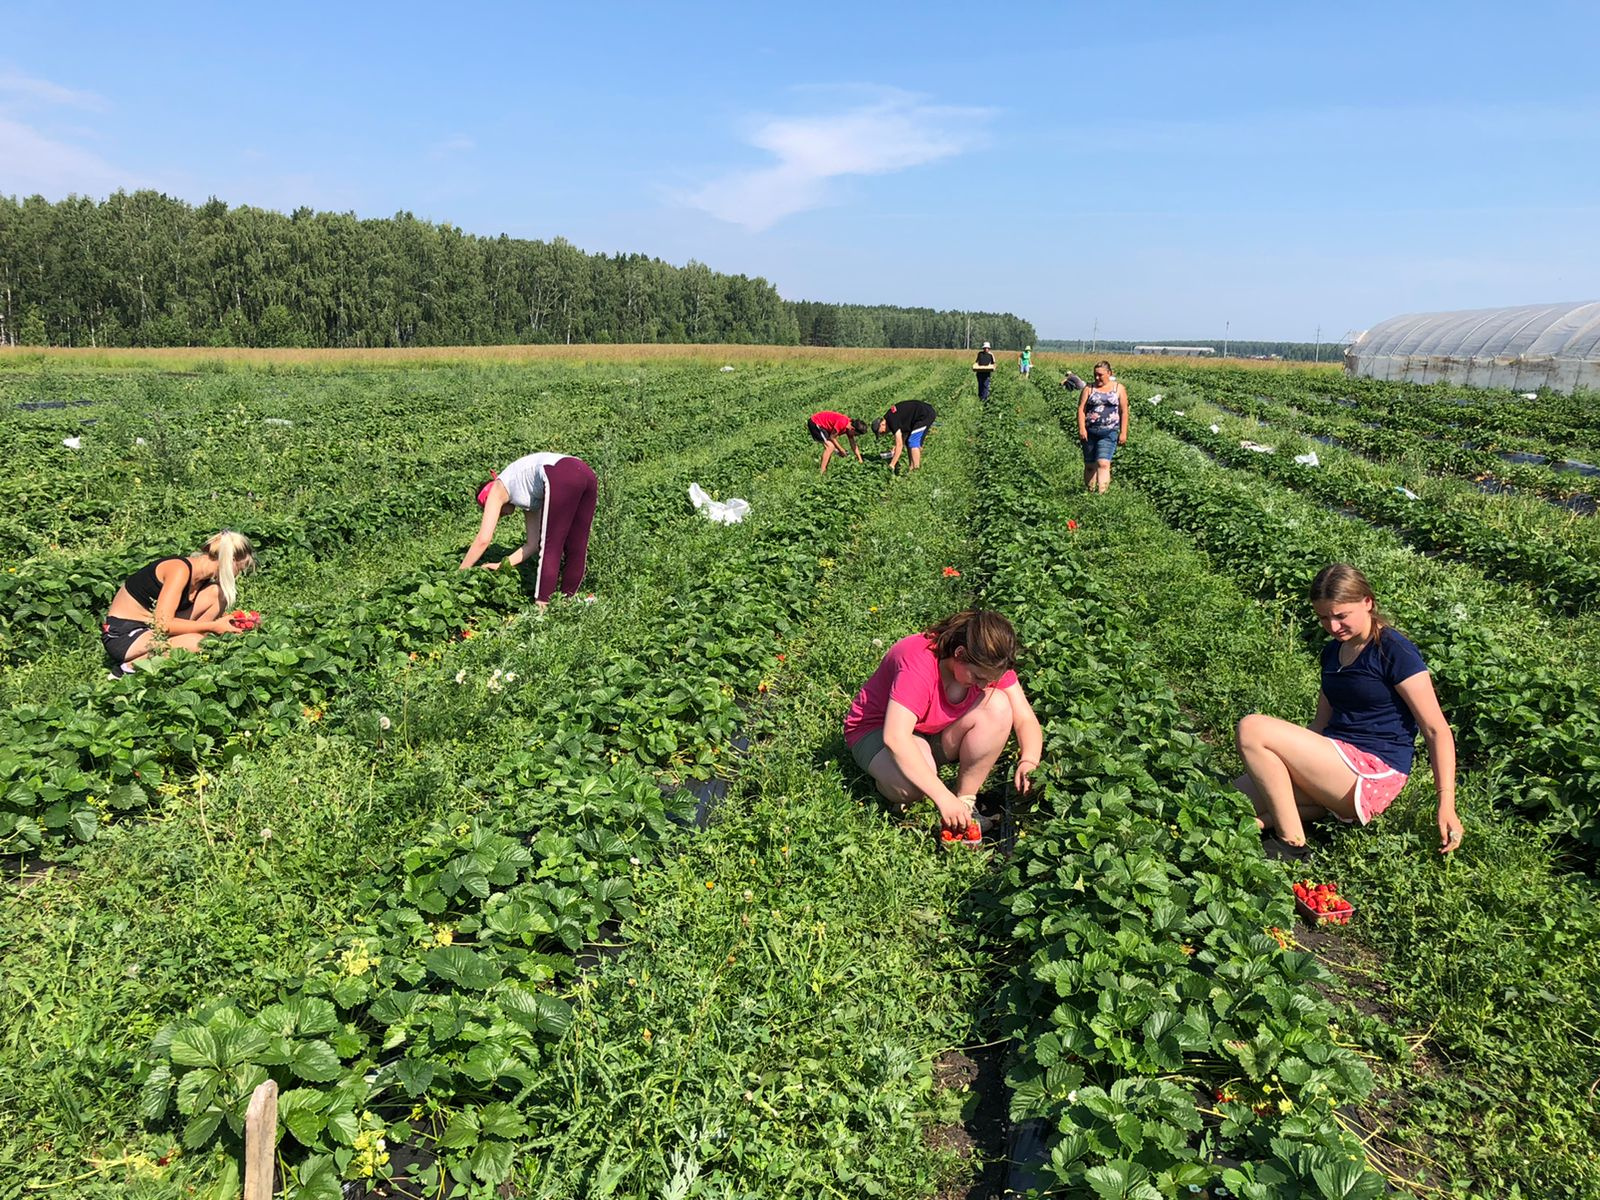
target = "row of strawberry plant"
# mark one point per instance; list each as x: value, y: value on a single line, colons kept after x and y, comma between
x: 1548, y: 423
x: 1168, y: 1039
x: 104, y: 750
x: 435, y: 1022
x: 1556, y: 577
x: 1483, y: 423
x: 795, y: 1006
x: 1480, y: 952
x: 1538, y: 719
x: 48, y: 603
x: 1389, y: 441
x: 1500, y: 415
x: 161, y: 457
x: 66, y: 763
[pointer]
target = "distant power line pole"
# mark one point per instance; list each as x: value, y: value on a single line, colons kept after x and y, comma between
x: 1095, y: 349
x: 1316, y: 355
x: 1226, y: 326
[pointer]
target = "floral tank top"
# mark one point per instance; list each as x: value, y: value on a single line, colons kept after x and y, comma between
x: 1103, y: 409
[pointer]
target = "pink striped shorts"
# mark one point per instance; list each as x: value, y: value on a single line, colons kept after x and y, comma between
x: 1377, y: 783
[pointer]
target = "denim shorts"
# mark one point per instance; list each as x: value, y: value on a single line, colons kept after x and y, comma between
x: 1100, y: 445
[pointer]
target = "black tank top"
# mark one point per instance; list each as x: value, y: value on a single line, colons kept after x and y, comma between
x: 145, y: 588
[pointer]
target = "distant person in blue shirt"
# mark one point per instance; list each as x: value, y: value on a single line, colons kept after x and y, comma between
x: 1354, y: 758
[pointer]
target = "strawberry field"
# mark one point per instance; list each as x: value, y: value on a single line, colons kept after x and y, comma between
x: 592, y: 902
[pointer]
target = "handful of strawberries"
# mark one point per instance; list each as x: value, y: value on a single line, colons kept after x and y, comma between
x: 1322, y: 902
x: 241, y: 619
x: 971, y: 836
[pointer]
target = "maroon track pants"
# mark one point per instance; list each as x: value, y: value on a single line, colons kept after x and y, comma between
x: 569, y: 496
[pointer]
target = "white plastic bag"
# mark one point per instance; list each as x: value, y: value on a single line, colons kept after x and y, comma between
x: 1408, y: 493
x: 1216, y: 429
x: 1308, y: 460
x: 726, y: 369
x: 728, y: 512
x: 72, y: 443
x: 1257, y: 447
x: 1155, y: 399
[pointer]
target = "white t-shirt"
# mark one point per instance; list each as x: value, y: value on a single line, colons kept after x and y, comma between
x: 524, y: 479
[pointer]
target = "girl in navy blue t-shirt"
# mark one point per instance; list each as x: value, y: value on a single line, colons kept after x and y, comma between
x: 1354, y: 758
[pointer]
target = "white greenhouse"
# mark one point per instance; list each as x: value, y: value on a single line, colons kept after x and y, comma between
x: 1555, y: 346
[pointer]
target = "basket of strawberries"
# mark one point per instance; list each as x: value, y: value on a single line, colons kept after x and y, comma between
x: 972, y: 835
x: 1322, y: 904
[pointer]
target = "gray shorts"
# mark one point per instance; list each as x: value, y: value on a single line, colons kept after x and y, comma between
x: 871, y: 742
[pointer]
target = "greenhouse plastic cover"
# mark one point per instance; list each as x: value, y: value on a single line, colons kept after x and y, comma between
x: 1534, y: 345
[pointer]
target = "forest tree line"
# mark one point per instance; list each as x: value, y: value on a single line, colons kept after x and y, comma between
x: 145, y: 269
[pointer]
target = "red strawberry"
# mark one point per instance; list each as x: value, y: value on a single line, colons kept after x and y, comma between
x: 946, y: 835
x: 974, y: 833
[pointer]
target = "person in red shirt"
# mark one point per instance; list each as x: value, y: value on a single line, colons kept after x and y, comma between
x: 827, y: 426
x: 946, y: 695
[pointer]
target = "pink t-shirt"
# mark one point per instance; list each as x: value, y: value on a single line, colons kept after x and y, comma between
x: 909, y: 674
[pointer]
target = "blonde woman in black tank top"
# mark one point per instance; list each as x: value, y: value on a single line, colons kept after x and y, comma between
x: 178, y: 601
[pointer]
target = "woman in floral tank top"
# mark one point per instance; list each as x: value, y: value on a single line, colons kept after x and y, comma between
x: 1102, y: 426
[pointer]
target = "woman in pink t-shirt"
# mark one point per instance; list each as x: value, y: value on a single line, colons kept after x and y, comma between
x: 946, y: 695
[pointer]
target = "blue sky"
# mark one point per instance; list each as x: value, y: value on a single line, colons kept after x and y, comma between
x: 1163, y: 170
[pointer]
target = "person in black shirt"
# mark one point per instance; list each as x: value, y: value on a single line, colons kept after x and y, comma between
x: 176, y: 602
x: 909, y: 422
x: 984, y: 366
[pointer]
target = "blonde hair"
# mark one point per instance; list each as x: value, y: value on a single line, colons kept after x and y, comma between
x: 235, y: 557
x: 1343, y: 584
x: 986, y: 636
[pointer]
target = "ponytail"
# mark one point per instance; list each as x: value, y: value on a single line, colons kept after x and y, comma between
x: 235, y: 557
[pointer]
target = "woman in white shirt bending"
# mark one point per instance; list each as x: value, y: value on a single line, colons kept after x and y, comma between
x: 556, y: 493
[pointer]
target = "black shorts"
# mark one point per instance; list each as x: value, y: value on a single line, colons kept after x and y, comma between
x: 118, y: 634
x: 816, y: 431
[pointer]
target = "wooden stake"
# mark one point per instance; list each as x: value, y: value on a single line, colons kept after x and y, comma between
x: 261, y: 1142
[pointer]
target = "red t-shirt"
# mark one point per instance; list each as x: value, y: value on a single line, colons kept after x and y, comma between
x: 831, y: 422
x: 909, y: 674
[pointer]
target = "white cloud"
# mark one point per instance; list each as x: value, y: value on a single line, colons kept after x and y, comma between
x: 14, y: 86
x: 31, y: 163
x: 36, y: 162
x: 891, y: 134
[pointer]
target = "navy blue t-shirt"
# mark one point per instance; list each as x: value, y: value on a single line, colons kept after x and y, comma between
x: 1368, y: 711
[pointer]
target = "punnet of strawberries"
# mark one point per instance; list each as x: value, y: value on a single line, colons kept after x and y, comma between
x: 972, y: 835
x: 1322, y: 902
x: 241, y: 618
